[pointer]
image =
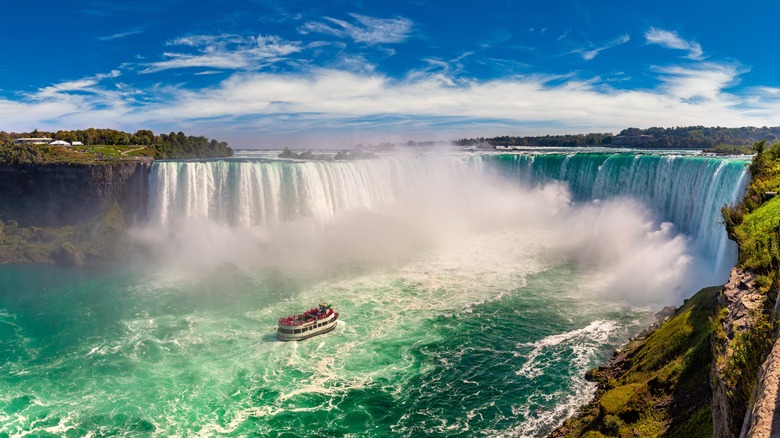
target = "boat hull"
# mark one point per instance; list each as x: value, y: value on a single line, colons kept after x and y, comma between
x: 299, y: 333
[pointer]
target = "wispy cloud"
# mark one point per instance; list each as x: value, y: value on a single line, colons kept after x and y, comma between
x: 670, y: 40
x: 706, y: 82
x: 87, y: 84
x: 228, y: 51
x: 591, y: 52
x: 368, y: 30
x: 119, y: 35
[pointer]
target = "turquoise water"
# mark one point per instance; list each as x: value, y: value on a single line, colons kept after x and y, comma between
x: 463, y: 311
x: 121, y: 354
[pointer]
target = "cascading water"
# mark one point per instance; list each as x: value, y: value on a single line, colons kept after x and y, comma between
x: 470, y: 303
x: 688, y: 191
x: 267, y: 193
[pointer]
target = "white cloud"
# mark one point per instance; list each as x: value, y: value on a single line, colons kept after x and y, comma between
x: 705, y: 82
x: 232, y: 52
x: 589, y: 54
x: 671, y: 40
x: 332, y: 101
x: 73, y: 104
x: 686, y: 97
x: 121, y: 35
x: 367, y: 30
x: 87, y: 84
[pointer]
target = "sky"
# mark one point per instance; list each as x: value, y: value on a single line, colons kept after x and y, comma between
x: 309, y: 74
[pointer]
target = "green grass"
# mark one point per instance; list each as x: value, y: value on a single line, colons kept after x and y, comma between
x: 757, y: 236
x: 116, y: 151
x: 698, y: 425
x: 613, y: 401
x: 44, y: 154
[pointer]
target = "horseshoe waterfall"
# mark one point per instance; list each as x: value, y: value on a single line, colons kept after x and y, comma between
x: 475, y: 291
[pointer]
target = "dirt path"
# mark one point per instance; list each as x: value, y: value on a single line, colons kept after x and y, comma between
x: 132, y: 150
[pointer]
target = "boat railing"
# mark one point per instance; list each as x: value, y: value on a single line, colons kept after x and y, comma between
x: 301, y: 320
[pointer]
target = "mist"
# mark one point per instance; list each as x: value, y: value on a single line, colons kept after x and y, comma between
x: 458, y: 217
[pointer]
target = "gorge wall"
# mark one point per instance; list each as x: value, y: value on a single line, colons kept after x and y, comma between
x: 69, y: 214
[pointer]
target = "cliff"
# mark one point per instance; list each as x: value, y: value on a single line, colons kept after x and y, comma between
x: 764, y: 418
x: 70, y: 214
x: 741, y: 337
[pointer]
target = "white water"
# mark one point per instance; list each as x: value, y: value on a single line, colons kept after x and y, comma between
x: 314, y: 219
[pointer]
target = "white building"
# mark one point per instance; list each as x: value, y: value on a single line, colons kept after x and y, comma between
x: 33, y: 140
x: 59, y: 143
x: 77, y: 143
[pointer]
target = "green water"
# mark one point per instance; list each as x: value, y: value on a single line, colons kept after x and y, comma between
x: 422, y: 348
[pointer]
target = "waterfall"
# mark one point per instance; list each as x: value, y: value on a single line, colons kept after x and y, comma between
x: 685, y: 190
x: 248, y: 193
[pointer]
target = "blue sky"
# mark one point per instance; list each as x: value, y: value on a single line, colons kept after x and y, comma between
x: 308, y: 73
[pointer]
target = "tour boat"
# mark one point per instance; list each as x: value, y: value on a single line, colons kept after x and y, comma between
x: 310, y: 323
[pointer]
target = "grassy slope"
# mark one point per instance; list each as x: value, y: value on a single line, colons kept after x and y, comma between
x: 44, y: 154
x: 659, y: 386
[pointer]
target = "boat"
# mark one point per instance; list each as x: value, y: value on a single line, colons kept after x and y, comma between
x: 312, y: 322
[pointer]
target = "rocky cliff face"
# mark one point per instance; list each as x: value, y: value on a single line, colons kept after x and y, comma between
x: 58, y: 195
x: 763, y: 421
x: 740, y: 407
x: 740, y: 301
x: 69, y: 214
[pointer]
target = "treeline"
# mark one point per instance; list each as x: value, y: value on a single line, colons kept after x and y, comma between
x: 701, y: 137
x: 576, y: 140
x: 687, y: 137
x: 340, y: 156
x: 173, y: 145
x: 189, y: 146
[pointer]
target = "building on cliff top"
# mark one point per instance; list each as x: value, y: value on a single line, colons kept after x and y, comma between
x: 33, y: 140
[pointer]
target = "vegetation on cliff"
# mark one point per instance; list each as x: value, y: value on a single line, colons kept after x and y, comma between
x: 658, y: 385
x: 87, y: 243
x: 108, y: 144
x: 754, y: 223
x: 69, y: 214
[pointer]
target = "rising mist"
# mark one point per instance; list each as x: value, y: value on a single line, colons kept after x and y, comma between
x: 310, y: 221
